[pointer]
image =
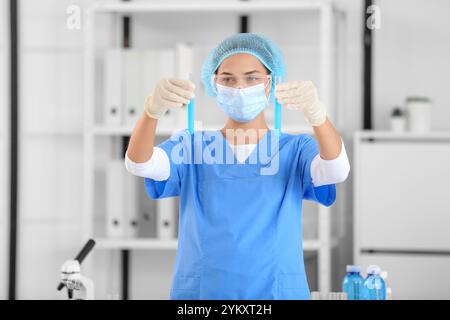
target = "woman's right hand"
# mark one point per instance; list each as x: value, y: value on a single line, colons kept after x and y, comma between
x: 168, y: 93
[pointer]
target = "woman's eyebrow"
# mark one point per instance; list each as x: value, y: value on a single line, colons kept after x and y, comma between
x: 253, y: 71
x: 246, y: 73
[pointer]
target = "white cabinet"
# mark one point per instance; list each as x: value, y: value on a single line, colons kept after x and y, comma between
x: 414, y: 277
x: 404, y: 193
x: 401, y: 210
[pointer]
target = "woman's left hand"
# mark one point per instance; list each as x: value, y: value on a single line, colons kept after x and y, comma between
x: 302, y: 95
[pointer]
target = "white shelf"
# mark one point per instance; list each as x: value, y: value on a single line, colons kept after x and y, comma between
x: 157, y: 244
x: 122, y: 131
x: 315, y: 245
x: 111, y: 131
x: 52, y: 49
x: 297, y: 129
x: 126, y: 130
x: 209, y: 6
x: 51, y: 133
x: 137, y: 244
x: 311, y: 245
x: 390, y: 135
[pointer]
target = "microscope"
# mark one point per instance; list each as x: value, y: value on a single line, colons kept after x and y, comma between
x: 78, y: 286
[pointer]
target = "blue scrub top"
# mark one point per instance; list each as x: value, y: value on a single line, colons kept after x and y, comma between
x: 240, y: 231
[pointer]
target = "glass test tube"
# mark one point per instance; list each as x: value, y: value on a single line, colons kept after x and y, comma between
x: 277, y: 119
x: 190, y: 112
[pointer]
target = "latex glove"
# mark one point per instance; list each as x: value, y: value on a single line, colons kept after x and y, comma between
x: 302, y: 95
x: 168, y: 93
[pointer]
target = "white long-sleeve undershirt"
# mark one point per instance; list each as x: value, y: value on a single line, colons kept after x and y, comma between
x: 323, y: 172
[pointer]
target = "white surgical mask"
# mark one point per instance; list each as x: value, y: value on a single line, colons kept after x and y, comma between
x: 242, y: 105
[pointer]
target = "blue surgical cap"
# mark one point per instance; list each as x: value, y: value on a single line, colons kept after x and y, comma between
x: 257, y: 45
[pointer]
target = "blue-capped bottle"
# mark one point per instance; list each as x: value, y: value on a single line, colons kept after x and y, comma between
x: 374, y: 287
x: 353, y: 283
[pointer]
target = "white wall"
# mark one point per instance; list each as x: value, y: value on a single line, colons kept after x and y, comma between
x: 411, y: 57
x: 4, y: 147
x: 50, y: 146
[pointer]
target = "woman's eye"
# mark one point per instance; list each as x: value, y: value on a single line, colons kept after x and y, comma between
x: 253, y: 79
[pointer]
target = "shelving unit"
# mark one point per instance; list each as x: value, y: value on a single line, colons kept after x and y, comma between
x: 328, y: 16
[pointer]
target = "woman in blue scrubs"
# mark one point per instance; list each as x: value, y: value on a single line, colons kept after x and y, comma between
x: 241, y: 187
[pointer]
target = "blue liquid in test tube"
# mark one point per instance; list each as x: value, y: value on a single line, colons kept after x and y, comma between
x: 191, y: 107
x: 277, y: 110
x: 190, y: 111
